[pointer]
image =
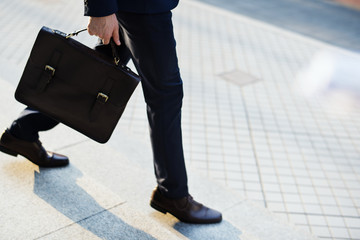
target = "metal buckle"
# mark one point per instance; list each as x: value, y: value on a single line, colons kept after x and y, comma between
x: 102, y: 96
x: 59, y: 32
x: 75, y: 33
x: 50, y: 68
x: 116, y: 60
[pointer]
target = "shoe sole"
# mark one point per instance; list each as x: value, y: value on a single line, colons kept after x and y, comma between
x: 8, y: 151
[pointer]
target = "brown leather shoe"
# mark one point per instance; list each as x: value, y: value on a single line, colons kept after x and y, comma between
x: 34, y: 151
x: 185, y: 209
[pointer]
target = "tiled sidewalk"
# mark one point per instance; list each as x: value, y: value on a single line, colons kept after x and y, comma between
x: 289, y: 153
x: 293, y: 155
x: 325, y: 20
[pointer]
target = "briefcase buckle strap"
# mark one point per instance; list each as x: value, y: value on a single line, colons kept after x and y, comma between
x: 102, y: 97
x: 51, y: 69
x: 45, y: 79
x: 101, y: 100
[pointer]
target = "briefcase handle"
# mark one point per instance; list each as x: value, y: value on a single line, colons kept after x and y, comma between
x: 112, y: 44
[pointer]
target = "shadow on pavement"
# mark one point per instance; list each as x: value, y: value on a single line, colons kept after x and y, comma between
x: 317, y: 19
x: 221, y: 231
x: 60, y: 190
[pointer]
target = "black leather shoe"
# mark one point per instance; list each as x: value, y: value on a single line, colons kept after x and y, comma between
x: 34, y: 151
x: 185, y: 209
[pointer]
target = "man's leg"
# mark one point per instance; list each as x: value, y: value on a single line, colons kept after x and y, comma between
x: 30, y: 123
x: 151, y: 41
x: 23, y: 138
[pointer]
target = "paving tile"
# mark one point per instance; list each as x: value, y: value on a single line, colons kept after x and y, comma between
x: 349, y: 211
x: 352, y: 222
x: 354, y: 233
x: 276, y: 206
x: 298, y: 218
x: 322, y: 232
x: 313, y: 209
x: 292, y: 198
x: 255, y: 195
x: 287, y: 180
x: 324, y: 191
x: 337, y: 221
x: 328, y: 200
x: 271, y: 187
x: 270, y: 178
x: 307, y: 190
x: 311, y: 199
x: 331, y: 210
x: 294, y: 207
x: 346, y: 202
x: 305, y: 181
x: 340, y: 233
x: 290, y: 188
x: 317, y: 220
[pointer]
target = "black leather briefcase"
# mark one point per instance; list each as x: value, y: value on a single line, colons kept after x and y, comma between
x: 76, y: 85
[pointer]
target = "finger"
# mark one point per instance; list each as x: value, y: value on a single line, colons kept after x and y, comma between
x: 89, y: 31
x: 116, y: 37
x: 106, y: 40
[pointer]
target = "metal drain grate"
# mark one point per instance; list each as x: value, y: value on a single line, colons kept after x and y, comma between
x: 239, y: 78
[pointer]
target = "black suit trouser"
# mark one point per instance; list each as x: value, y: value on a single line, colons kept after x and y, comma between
x: 148, y: 40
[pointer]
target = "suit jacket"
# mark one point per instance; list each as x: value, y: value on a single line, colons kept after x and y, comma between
x: 100, y: 8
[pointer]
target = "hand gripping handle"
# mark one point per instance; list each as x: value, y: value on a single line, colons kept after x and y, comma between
x: 112, y: 44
